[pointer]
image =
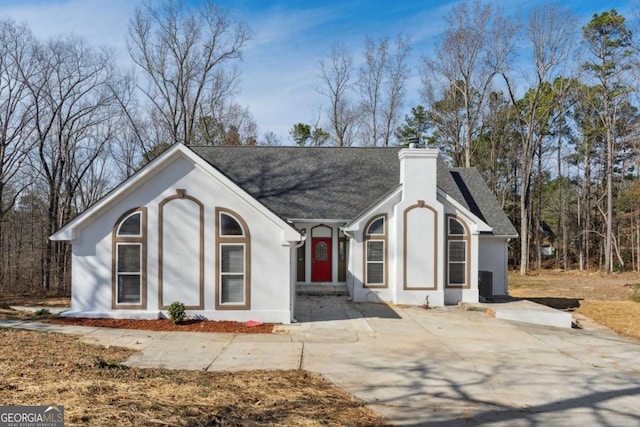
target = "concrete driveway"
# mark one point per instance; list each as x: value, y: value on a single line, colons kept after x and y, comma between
x: 440, y: 367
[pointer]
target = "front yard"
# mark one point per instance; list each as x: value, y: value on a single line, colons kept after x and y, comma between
x: 96, y: 389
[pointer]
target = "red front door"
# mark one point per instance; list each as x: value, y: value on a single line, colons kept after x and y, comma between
x: 321, y: 259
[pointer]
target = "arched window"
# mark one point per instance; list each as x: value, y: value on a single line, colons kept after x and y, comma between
x: 129, y: 260
x: 457, y: 253
x: 375, y: 253
x: 233, y: 261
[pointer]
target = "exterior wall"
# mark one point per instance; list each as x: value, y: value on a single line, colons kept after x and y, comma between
x: 468, y: 292
x: 411, y: 253
x: 417, y: 251
x: 493, y: 256
x: 270, y: 261
x: 359, y: 291
x: 418, y: 176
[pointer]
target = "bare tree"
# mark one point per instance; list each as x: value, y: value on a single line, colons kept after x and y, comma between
x: 270, y: 139
x: 187, y: 55
x: 336, y: 70
x: 551, y: 34
x: 476, y: 47
x: 229, y: 124
x: 370, y: 86
x: 397, y: 73
x: 76, y: 114
x: 17, y: 67
x: 136, y: 137
x: 381, y: 84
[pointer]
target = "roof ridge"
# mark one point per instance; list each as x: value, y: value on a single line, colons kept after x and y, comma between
x: 293, y: 147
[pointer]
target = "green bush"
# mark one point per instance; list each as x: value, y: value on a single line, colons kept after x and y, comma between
x: 43, y: 312
x: 177, y: 312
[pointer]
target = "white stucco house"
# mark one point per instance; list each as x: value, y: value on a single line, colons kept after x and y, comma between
x: 232, y: 231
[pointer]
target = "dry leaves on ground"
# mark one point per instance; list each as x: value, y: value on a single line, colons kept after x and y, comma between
x: 41, y: 368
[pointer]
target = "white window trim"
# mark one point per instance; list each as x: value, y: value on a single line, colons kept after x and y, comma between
x: 221, y: 274
x: 384, y: 266
x: 128, y: 273
x: 457, y: 262
x: 125, y: 220
x: 384, y: 225
x: 464, y: 229
x: 221, y: 234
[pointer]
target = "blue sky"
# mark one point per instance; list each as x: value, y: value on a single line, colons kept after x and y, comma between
x: 280, y: 68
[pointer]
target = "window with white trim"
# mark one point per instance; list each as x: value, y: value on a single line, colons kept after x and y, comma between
x: 129, y: 273
x: 375, y: 252
x: 232, y: 273
x: 457, y: 253
x: 233, y: 261
x: 128, y: 260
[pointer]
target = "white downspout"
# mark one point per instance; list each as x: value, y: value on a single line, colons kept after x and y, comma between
x: 294, y: 257
x: 350, y: 280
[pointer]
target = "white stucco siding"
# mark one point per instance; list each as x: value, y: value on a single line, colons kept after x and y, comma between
x: 493, y: 257
x: 91, y: 279
x: 408, y: 249
x: 269, y: 259
x: 421, y: 235
x: 181, y: 254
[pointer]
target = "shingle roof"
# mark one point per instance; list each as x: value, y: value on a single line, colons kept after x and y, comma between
x: 338, y: 183
x: 480, y: 200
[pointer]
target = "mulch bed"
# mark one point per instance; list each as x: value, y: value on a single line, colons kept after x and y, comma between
x: 168, y: 325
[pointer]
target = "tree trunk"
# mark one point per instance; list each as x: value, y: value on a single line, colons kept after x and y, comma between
x: 608, y: 248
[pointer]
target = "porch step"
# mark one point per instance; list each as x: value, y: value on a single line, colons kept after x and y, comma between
x: 322, y: 290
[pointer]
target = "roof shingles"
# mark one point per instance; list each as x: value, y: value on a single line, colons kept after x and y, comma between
x: 338, y: 183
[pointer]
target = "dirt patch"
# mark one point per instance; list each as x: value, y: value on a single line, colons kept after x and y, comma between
x: 95, y: 389
x: 607, y: 299
x: 168, y: 325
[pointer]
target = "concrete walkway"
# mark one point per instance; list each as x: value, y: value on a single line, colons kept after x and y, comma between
x: 440, y: 367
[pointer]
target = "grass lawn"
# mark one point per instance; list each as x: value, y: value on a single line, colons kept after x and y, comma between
x: 611, y: 300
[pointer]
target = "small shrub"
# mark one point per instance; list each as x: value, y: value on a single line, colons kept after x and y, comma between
x: 176, y: 312
x: 43, y: 312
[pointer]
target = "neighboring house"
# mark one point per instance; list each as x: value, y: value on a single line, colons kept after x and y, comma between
x: 231, y: 232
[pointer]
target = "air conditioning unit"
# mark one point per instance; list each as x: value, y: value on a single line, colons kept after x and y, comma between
x: 485, y: 285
